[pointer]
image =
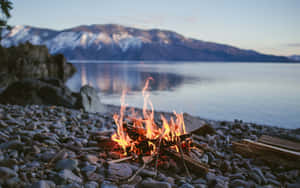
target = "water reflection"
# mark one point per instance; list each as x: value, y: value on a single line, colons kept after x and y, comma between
x: 113, y: 78
x: 266, y: 93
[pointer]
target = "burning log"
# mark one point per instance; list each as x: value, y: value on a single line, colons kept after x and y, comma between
x: 145, y: 137
x: 268, y: 153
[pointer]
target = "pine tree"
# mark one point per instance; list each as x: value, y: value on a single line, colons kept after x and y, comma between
x: 5, y: 8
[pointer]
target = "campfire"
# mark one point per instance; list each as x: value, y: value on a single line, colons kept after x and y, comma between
x: 140, y: 137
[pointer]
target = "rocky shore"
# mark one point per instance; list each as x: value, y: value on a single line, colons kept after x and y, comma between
x: 27, y: 61
x: 52, y: 146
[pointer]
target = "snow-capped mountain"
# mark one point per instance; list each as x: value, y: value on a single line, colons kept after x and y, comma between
x: 295, y: 57
x: 116, y: 42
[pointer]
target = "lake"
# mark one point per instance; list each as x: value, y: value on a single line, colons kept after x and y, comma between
x: 264, y: 93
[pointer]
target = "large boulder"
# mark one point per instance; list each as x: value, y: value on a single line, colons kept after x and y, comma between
x: 40, y: 92
x: 32, y: 61
x: 90, y: 101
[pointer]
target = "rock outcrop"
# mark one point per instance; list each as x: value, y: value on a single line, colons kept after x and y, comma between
x: 32, y: 61
x: 51, y: 92
x: 40, y: 92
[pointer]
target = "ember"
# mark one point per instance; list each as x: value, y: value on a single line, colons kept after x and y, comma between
x: 142, y: 136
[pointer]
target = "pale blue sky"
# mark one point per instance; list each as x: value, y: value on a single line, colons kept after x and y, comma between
x: 269, y: 26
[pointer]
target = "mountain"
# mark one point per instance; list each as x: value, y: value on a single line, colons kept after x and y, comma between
x: 116, y: 42
x: 294, y: 57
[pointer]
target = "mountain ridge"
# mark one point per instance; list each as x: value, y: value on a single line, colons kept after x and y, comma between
x: 117, y: 42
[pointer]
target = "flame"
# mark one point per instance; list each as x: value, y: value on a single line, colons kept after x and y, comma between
x: 145, y: 126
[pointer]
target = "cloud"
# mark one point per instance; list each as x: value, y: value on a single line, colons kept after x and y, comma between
x: 190, y: 19
x: 293, y: 45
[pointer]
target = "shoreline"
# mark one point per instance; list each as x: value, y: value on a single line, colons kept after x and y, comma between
x: 54, y: 146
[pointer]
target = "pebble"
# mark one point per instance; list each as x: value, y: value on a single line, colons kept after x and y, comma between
x: 42, y: 184
x: 186, y: 185
x: 7, y: 172
x: 91, y: 184
x: 119, y: 171
x: 107, y: 184
x: 260, y: 174
x: 150, y: 183
x: 69, y: 164
x: 238, y: 183
x: 69, y: 176
x: 32, y: 136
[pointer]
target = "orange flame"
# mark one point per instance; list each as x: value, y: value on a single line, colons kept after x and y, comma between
x: 146, y: 125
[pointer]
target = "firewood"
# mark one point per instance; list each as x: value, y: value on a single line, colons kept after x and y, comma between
x: 146, y: 160
x: 200, y: 138
x: 183, y: 160
x: 108, y: 145
x: 282, y: 143
x: 268, y: 153
x: 120, y: 160
x: 195, y: 166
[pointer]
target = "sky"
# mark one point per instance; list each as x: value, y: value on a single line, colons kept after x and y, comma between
x: 268, y: 26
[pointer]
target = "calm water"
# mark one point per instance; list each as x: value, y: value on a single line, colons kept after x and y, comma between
x: 266, y: 93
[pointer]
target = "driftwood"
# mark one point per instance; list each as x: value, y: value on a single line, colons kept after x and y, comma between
x: 268, y: 153
x: 194, y: 165
x: 282, y: 143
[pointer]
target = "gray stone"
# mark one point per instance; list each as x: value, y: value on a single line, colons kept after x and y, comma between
x: 260, y: 174
x: 41, y: 184
x: 255, y: 177
x: 68, y: 176
x: 225, y: 166
x: 204, y: 158
x: 149, y: 183
x: 91, y: 184
x: 274, y: 182
x: 107, y: 184
x: 186, y: 185
x: 7, y: 173
x: 238, y: 183
x: 237, y: 176
x: 211, y: 178
x: 69, y: 164
x: 200, y: 186
x: 90, y: 100
x: 199, y: 181
x: 89, y: 169
x: 119, y: 171
x: 14, y: 182
x: 293, y: 185
x: 127, y: 186
x: 13, y: 144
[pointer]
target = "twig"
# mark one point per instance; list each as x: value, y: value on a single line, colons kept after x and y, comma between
x: 157, y: 156
x: 120, y: 160
x: 181, y: 154
x: 146, y: 160
x: 136, y: 173
x: 56, y: 157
